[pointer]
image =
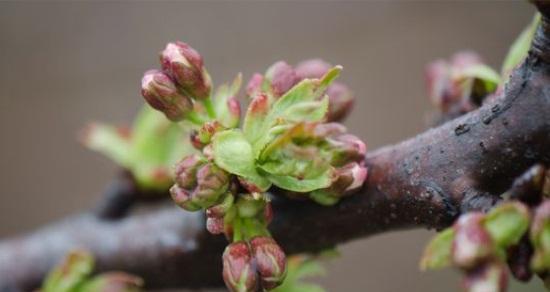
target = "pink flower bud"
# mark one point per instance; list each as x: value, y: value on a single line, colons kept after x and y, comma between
x: 234, y: 107
x: 254, y: 85
x: 161, y: 93
x: 347, y: 148
x: 282, y: 77
x: 472, y: 243
x: 185, y: 65
x: 313, y: 68
x: 490, y: 277
x: 270, y: 261
x: 348, y: 179
x: 340, y: 102
x: 239, y: 269
x: 199, y: 183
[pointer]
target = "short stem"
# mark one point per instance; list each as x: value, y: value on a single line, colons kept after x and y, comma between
x: 195, y: 118
x: 209, y: 106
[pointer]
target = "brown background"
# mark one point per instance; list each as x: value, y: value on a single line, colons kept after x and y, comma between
x: 64, y: 64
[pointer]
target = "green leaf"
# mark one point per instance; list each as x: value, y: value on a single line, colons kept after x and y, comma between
x: 437, y: 254
x: 520, y: 47
x: 507, y: 223
x: 74, y: 270
x: 489, y: 77
x: 302, y: 185
x: 296, y: 105
x: 222, y: 95
x: 109, y: 141
x: 233, y: 153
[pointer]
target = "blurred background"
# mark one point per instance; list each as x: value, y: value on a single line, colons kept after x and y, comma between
x: 63, y: 65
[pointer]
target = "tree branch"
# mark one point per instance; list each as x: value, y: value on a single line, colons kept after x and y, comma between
x: 426, y: 181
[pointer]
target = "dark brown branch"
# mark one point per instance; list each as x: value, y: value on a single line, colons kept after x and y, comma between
x: 423, y: 182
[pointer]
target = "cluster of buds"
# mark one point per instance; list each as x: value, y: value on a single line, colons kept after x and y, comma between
x: 199, y: 183
x: 281, y: 77
x: 254, y: 259
x: 461, y: 84
x: 182, y: 80
x: 249, y: 265
x: 478, y: 243
x: 308, y: 150
x: 285, y: 141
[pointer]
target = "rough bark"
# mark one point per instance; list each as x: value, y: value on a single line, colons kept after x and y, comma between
x: 426, y: 181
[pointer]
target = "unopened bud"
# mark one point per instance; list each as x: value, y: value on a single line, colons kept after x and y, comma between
x: 490, y: 277
x: 239, y: 269
x: 347, y: 148
x: 348, y: 179
x: 313, y: 68
x: 270, y: 261
x: 472, y: 243
x: 185, y: 65
x: 340, y: 102
x: 199, y: 183
x: 234, y: 111
x: 282, y: 77
x: 161, y: 93
x: 254, y: 85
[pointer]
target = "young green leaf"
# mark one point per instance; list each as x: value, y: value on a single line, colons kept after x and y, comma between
x: 437, y: 254
x: 294, y: 184
x: 507, y: 223
x: 489, y: 78
x: 70, y: 274
x: 110, y: 141
x: 520, y: 47
x: 233, y: 153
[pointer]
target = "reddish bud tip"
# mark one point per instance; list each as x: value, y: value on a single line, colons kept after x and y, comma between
x: 254, y: 85
x: 185, y: 66
x: 472, y: 243
x: 282, y: 77
x: 161, y: 94
x: 239, y: 270
x: 340, y: 102
x: 270, y: 261
x: 313, y: 68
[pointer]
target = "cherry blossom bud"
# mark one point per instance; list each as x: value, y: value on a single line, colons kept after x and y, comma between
x: 199, y: 183
x: 254, y: 85
x: 270, y: 261
x: 490, y: 277
x: 161, y: 94
x: 282, y: 77
x: 347, y: 148
x: 348, y: 179
x: 340, y: 102
x: 472, y: 243
x: 239, y: 269
x: 234, y: 111
x: 215, y: 215
x: 313, y: 68
x: 185, y: 66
